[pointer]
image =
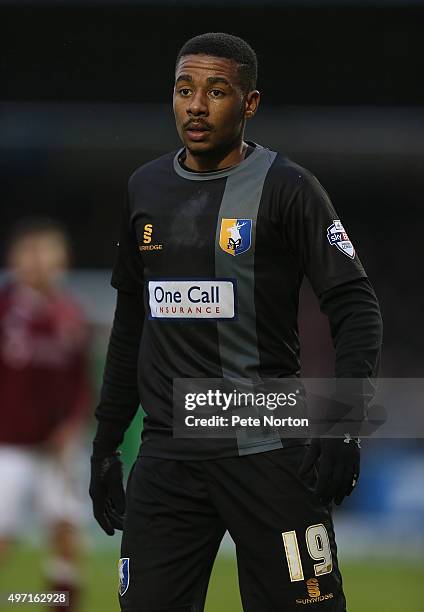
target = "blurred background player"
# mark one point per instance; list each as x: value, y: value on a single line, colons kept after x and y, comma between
x: 44, y: 397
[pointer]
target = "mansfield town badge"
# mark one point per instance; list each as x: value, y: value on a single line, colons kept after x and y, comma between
x: 124, y: 575
x: 236, y: 236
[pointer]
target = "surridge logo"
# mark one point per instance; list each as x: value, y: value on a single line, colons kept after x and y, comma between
x: 147, y: 239
x: 147, y: 235
x: 235, y: 236
x: 314, y: 593
x: 313, y: 587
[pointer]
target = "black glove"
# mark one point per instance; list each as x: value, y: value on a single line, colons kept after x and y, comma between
x: 107, y: 492
x: 338, y: 466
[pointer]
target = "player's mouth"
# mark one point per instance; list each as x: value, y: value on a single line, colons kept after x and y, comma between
x: 197, y: 131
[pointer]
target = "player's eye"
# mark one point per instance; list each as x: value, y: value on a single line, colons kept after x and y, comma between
x: 184, y: 91
x: 216, y: 93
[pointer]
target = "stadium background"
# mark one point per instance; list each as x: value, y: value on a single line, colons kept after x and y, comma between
x: 85, y: 99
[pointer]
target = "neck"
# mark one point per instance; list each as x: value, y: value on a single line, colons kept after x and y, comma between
x: 216, y: 160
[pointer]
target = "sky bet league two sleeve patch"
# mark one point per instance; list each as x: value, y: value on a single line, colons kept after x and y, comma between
x: 337, y: 236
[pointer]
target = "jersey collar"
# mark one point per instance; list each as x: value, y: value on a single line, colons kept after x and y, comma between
x: 215, y: 174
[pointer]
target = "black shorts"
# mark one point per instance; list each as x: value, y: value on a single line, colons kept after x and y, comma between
x: 178, y: 512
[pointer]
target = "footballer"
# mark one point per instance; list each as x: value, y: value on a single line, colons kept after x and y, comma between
x: 44, y: 402
x: 215, y: 241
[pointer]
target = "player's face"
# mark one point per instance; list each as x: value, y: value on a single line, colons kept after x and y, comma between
x: 210, y: 106
x: 38, y: 260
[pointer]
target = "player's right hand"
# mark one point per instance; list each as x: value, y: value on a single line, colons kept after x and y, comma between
x: 107, y: 492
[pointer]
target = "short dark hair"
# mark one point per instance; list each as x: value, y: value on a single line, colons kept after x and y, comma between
x: 35, y: 226
x: 220, y: 44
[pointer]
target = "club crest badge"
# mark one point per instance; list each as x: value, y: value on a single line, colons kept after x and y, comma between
x: 235, y: 237
x: 337, y: 236
x: 124, y: 575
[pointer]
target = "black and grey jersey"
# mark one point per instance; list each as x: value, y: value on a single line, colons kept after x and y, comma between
x: 220, y: 257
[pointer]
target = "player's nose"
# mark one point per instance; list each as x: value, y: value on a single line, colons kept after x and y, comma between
x: 198, y: 104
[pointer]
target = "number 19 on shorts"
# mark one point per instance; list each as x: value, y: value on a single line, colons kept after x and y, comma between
x: 318, y: 545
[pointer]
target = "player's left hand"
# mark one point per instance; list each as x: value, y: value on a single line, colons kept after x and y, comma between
x: 338, y: 464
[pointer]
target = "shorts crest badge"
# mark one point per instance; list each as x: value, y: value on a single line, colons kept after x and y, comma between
x: 337, y: 236
x: 124, y: 575
x: 235, y: 236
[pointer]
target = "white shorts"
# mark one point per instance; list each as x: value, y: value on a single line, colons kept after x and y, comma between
x: 31, y: 481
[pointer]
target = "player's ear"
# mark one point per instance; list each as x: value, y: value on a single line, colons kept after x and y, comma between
x: 251, y: 103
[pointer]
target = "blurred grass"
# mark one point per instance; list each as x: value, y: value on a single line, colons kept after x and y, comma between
x: 386, y: 585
